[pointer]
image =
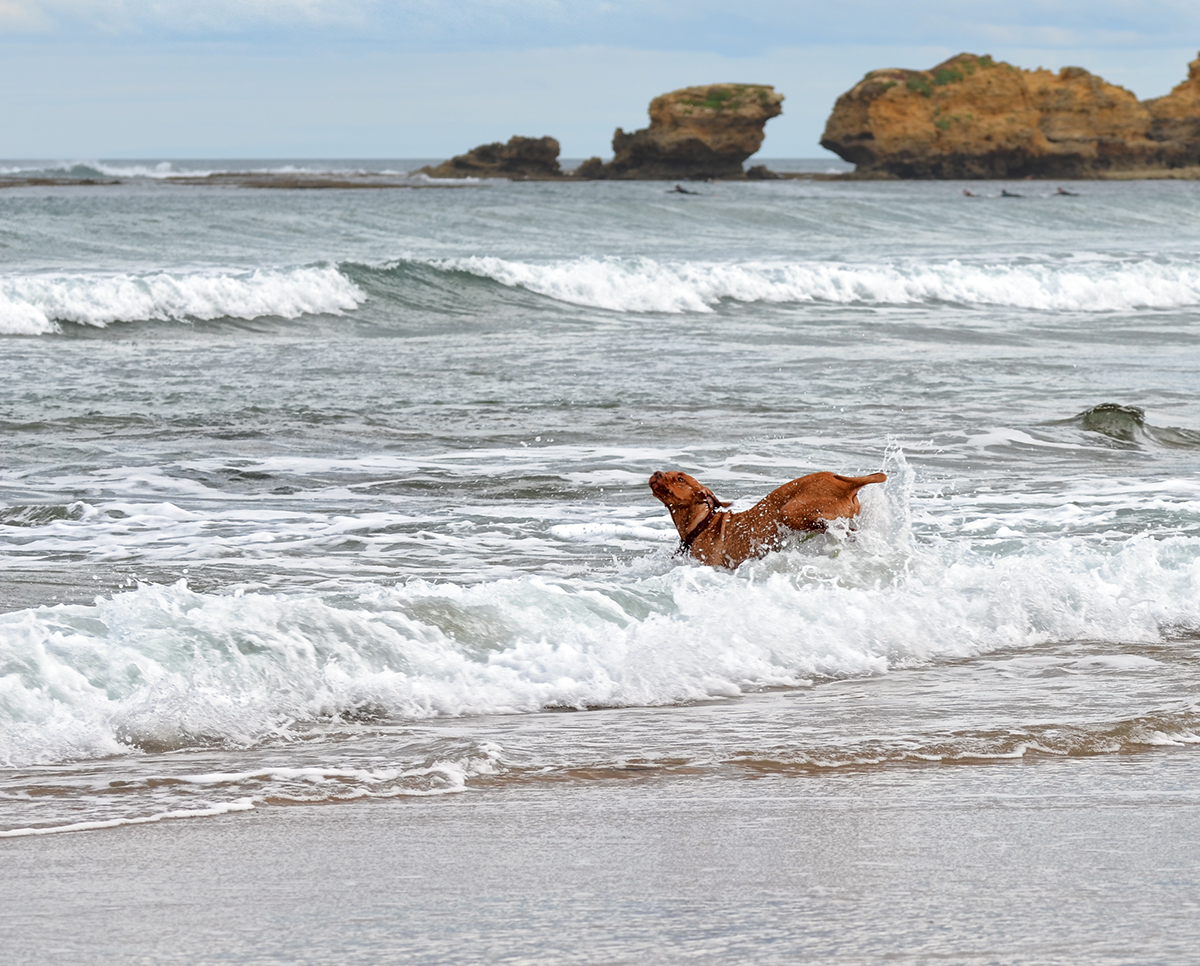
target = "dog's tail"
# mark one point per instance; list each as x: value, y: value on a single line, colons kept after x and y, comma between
x: 858, y: 482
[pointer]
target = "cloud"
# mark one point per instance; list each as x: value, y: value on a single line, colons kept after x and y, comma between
x: 183, y: 16
x: 703, y: 25
x: 19, y: 16
x: 738, y: 29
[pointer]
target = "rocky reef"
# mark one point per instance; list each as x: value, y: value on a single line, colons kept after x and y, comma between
x: 695, y: 132
x: 974, y: 117
x: 521, y: 159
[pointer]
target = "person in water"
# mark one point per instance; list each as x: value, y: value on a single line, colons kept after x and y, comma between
x: 1069, y: 194
x: 1005, y: 193
x: 969, y: 193
x: 680, y: 189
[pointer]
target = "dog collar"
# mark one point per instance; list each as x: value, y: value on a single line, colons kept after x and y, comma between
x: 686, y: 542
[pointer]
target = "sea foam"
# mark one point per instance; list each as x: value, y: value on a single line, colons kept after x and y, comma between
x: 1081, y: 284
x: 168, y: 170
x: 164, y: 667
x: 95, y: 169
x: 35, y: 304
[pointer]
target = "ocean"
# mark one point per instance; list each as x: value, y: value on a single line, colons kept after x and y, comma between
x: 332, y: 497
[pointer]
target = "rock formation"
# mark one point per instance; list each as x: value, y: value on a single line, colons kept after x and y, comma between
x: 973, y: 117
x: 696, y: 132
x: 521, y: 159
x: 1176, y: 117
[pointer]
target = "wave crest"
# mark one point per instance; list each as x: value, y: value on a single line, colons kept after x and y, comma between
x: 645, y: 285
x: 35, y: 304
x: 1127, y: 424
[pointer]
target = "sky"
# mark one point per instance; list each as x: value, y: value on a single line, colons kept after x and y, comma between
x: 92, y: 79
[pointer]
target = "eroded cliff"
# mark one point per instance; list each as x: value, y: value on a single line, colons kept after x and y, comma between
x: 695, y: 132
x: 973, y: 117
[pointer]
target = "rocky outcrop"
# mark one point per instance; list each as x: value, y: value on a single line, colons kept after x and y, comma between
x: 521, y: 159
x: 973, y: 117
x: 694, y: 133
x: 1176, y: 117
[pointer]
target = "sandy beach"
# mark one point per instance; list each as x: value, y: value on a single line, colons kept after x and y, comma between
x: 1088, y: 860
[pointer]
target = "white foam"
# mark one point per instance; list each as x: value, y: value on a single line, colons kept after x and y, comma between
x: 223, y: 808
x: 423, y: 178
x: 35, y: 304
x: 69, y: 169
x: 439, y: 778
x: 164, y: 666
x: 160, y: 171
x: 166, y: 170
x: 1095, y: 284
x: 156, y: 796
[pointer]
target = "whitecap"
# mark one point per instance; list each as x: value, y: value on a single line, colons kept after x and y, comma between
x: 35, y: 304
x: 642, y: 284
x: 165, y: 667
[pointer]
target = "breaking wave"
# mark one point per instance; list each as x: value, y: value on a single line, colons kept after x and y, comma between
x: 1099, y: 284
x: 36, y: 304
x: 164, y: 667
x: 95, y: 169
x: 168, y: 170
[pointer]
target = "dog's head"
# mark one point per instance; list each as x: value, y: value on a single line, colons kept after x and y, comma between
x: 680, y: 491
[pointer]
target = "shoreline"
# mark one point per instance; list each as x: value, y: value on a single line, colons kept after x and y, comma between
x: 1064, y: 861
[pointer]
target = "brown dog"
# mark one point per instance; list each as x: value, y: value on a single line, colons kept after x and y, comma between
x: 727, y: 539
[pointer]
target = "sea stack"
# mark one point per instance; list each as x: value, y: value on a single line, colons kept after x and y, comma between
x: 694, y: 133
x: 974, y: 117
x: 521, y: 159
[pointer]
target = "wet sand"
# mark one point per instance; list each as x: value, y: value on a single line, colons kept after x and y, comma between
x: 1086, y: 860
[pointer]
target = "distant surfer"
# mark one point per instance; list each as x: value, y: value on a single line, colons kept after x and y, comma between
x: 1069, y: 194
x: 681, y: 190
x: 1005, y: 193
x: 969, y: 193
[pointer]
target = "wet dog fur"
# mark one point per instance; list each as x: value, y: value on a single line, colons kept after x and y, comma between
x: 722, y: 539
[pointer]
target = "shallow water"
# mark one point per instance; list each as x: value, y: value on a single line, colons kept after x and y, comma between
x: 311, y: 495
x: 1053, y: 862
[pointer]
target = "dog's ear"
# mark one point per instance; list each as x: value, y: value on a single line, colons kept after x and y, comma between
x: 711, y: 498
